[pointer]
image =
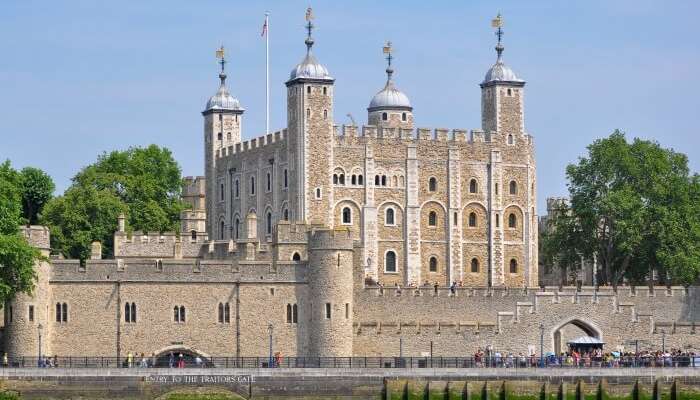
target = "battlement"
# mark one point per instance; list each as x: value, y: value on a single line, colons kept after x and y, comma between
x: 37, y: 235
x: 331, y: 239
x: 185, y: 271
x: 159, y: 244
x: 422, y: 134
x: 193, y: 186
x: 289, y: 232
x: 252, y: 144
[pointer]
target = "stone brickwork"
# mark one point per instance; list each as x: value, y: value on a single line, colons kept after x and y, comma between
x: 342, y: 240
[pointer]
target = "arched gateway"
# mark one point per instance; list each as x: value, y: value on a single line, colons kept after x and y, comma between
x: 570, y: 329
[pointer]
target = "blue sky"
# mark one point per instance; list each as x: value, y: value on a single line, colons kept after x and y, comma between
x: 81, y: 77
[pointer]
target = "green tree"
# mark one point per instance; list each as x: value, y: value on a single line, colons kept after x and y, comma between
x: 148, y: 180
x: 143, y: 183
x: 635, y: 206
x: 79, y: 217
x: 17, y: 257
x: 37, y: 189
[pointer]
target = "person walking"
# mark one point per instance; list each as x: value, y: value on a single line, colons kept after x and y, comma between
x: 5, y: 361
x: 129, y: 360
x: 171, y: 360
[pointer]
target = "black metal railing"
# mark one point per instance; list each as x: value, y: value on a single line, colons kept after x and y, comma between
x: 683, y: 361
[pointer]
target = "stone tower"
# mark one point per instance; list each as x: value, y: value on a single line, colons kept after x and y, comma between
x: 501, y: 114
x: 310, y: 129
x: 223, y: 118
x: 390, y: 107
x: 29, y: 317
x: 502, y: 95
x: 330, y: 275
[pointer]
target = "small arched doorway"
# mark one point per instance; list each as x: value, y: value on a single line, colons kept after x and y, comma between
x: 572, y: 329
x: 170, y: 356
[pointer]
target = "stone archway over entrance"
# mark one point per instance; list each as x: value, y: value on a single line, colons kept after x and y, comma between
x: 571, y: 329
x: 163, y: 356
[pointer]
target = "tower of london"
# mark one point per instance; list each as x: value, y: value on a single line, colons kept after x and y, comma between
x: 341, y: 240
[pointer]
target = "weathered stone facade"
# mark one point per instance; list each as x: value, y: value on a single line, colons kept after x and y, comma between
x: 344, y: 240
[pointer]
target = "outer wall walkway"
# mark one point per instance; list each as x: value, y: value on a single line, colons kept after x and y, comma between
x: 154, y: 383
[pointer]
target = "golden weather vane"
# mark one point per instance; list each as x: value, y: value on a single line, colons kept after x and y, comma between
x: 220, y: 54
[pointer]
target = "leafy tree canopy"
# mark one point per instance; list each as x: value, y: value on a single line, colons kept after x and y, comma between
x: 17, y: 257
x: 143, y: 183
x: 37, y: 189
x: 636, y: 207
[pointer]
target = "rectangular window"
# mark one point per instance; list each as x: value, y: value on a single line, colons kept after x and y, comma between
x: 269, y: 182
x: 31, y: 313
x: 286, y: 180
x: 347, y: 310
x: 328, y: 310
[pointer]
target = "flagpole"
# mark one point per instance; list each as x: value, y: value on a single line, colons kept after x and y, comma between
x: 267, y: 73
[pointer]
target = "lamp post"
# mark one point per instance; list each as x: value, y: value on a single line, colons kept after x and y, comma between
x: 39, y: 328
x: 270, y: 330
x: 541, y: 345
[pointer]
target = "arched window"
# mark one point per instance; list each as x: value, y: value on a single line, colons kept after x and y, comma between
x: 390, y: 261
x: 389, y: 217
x: 341, y: 179
x: 182, y: 313
x: 58, y: 312
x: 176, y: 314
x: 296, y: 257
x: 383, y: 180
x: 220, y: 136
x: 473, y: 186
x: 335, y: 179
x: 64, y: 313
x: 325, y: 90
x: 347, y: 215
x: 130, y: 312
x: 394, y: 181
x: 289, y: 313
x: 432, y: 184
x: 510, y: 139
x: 308, y: 89
x: 498, y: 220
x: 295, y: 314
x: 353, y: 180
x: 269, y: 181
x: 252, y: 185
x: 221, y: 313
x: 236, y: 189
x: 308, y: 113
x: 268, y: 222
x: 512, y: 220
x: 376, y: 180
x: 193, y: 235
x: 513, y: 266
x: 236, y: 228
x: 403, y: 117
x: 472, y: 219
x: 221, y: 192
x: 286, y: 183
x: 285, y: 214
x: 359, y: 180
x: 221, y: 230
x: 432, y: 218
x: 227, y: 313
x: 325, y: 114
x: 318, y: 193
x: 513, y: 187
x: 385, y: 117
x: 433, y: 264
x: 475, y: 265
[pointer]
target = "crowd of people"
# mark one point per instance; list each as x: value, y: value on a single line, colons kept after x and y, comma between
x: 596, y: 358
x: 414, y: 286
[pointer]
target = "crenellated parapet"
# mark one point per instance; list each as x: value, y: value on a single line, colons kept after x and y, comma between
x: 38, y: 236
x: 260, y: 143
x: 440, y: 135
x: 159, y: 244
